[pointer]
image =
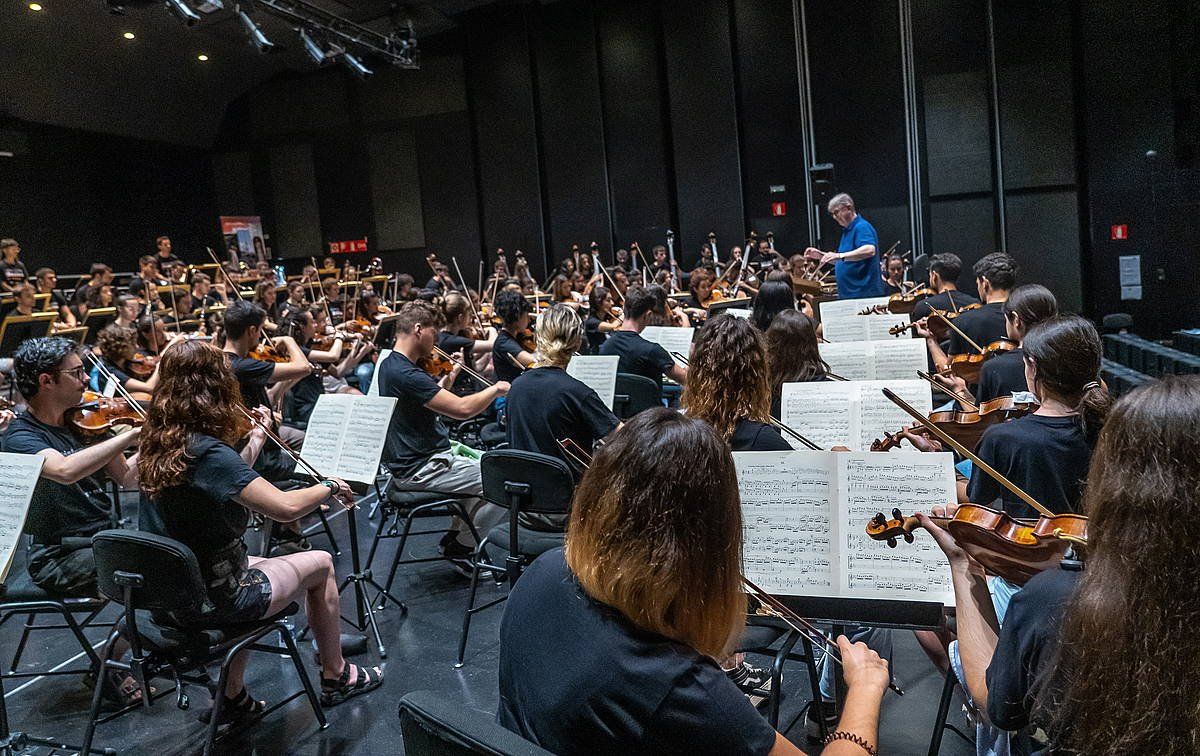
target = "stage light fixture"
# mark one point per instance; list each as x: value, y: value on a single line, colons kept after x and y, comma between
x: 257, y: 38
x: 129, y: 35
x: 202, y: 58
x: 183, y: 11
x: 35, y: 7
x: 317, y: 51
x: 356, y: 66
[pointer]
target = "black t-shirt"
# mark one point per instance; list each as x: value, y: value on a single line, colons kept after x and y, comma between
x: 984, y: 326
x: 595, y: 337
x: 545, y: 404
x: 164, y: 262
x: 306, y: 392
x: 505, y: 344
x: 637, y: 356
x: 202, y: 513
x: 1047, y: 457
x: 57, y: 510
x: 452, y: 342
x: 416, y: 432
x: 751, y: 435
x: 58, y: 300
x: 1002, y: 375
x: 253, y: 377
x: 596, y: 684
x: 81, y: 293
x: 13, y: 274
x: 1026, y: 647
x: 947, y: 301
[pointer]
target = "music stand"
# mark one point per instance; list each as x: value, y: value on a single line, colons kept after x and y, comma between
x: 96, y: 319
x: 385, y: 334
x: 41, y: 302
x: 77, y: 334
x: 16, y: 329
x: 716, y: 308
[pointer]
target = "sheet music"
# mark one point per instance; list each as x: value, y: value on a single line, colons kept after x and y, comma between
x: 738, y: 312
x: 875, y: 360
x: 860, y: 328
x: 787, y: 520
x: 18, y: 477
x: 804, y: 517
x: 913, y: 482
x: 597, y: 372
x: 671, y: 338
x: 838, y: 307
x: 373, y: 389
x: 346, y: 434
x: 820, y: 411
x: 850, y: 413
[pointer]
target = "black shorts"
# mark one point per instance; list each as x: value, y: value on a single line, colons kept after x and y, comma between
x: 247, y: 603
x: 63, y: 571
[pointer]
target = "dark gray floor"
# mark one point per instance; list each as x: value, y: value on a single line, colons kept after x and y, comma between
x: 421, y: 649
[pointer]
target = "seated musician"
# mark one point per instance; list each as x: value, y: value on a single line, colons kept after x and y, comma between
x: 893, y: 279
x: 152, y: 335
x: 118, y: 347
x: 202, y: 488
x: 459, y: 335
x: 417, y: 451
x: 47, y: 283
x: 514, y: 311
x: 129, y: 309
x: 856, y: 261
x: 301, y: 326
x: 773, y: 298
x: 545, y: 404
x: 149, y: 272
x: 601, y: 319
x: 333, y: 299
x: 26, y: 299
x: 1004, y: 374
x: 264, y: 297
x: 296, y: 299
x: 207, y: 294
x: 69, y: 502
x: 404, y: 288
x: 700, y: 285
x: 944, y: 270
x: 562, y: 290
x: 620, y: 280
x: 1098, y: 656
x: 995, y: 277
x: 97, y: 297
x: 440, y: 283
x: 101, y: 275
x: 163, y: 254
x: 646, y: 594
x: 13, y: 274
x: 793, y: 354
x: 638, y: 356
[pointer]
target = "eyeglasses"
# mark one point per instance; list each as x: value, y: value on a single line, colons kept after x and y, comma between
x: 78, y: 372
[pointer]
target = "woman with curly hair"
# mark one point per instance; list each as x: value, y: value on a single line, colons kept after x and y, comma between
x: 728, y: 385
x: 202, y: 490
x: 118, y: 346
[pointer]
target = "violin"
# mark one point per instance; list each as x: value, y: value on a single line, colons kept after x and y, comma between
x: 96, y: 414
x: 965, y: 426
x: 905, y: 303
x: 437, y: 365
x: 528, y: 340
x: 967, y: 366
x: 142, y: 365
x: 938, y: 323
x: 1013, y: 548
x: 267, y: 352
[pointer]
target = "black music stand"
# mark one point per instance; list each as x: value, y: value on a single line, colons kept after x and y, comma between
x: 385, y: 334
x: 95, y: 321
x: 716, y: 308
x: 77, y: 334
x: 16, y: 329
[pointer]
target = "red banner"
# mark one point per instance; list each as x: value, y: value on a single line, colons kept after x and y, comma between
x: 348, y: 246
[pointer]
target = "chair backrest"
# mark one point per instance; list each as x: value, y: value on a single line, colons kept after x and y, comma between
x: 634, y: 393
x: 535, y: 483
x: 160, y: 573
x: 434, y: 726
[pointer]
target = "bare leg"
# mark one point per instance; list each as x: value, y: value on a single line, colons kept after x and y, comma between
x: 311, y: 574
x: 935, y: 643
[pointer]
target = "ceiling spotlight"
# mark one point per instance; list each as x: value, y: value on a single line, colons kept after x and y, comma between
x: 202, y: 58
x: 183, y: 11
x: 257, y: 38
x: 356, y: 66
x: 129, y: 35
x: 35, y: 7
x: 318, y: 52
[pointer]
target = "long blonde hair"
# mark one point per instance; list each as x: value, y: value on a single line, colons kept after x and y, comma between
x: 656, y: 531
x: 559, y: 333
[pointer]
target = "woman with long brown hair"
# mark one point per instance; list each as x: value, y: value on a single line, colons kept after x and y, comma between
x: 646, y: 593
x: 1102, y: 657
x: 728, y: 385
x: 201, y: 488
x: 793, y: 354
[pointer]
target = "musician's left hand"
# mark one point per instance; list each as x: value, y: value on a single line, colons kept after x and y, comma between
x: 954, y: 553
x: 829, y: 257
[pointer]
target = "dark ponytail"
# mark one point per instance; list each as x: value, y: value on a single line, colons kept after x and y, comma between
x: 1066, y: 350
x: 1033, y: 303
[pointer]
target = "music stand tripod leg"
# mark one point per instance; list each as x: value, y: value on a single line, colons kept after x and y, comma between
x: 17, y: 742
x: 360, y: 579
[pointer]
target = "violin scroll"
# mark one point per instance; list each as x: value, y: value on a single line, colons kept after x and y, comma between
x: 880, y: 528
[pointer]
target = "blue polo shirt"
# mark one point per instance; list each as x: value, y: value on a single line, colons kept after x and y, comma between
x: 857, y: 279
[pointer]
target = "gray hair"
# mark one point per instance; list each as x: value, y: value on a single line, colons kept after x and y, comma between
x: 840, y: 200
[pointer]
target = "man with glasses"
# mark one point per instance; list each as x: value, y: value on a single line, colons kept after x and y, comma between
x: 856, y: 262
x: 69, y: 503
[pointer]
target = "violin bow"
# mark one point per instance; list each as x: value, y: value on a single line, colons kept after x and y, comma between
x: 577, y: 455
x: 949, y: 391
x: 604, y: 272
x: 295, y: 456
x: 802, y: 626
x: 312, y: 292
x: 438, y: 351
x: 942, y: 314
x: 945, y: 438
x: 116, y: 384
x: 228, y: 278
x: 467, y: 293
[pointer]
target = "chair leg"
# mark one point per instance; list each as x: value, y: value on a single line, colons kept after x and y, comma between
x: 29, y: 625
x: 378, y: 537
x: 329, y: 533
x: 776, y: 698
x: 466, y: 626
x: 218, y: 700
x: 408, y: 521
x: 939, y: 725
x: 309, y: 691
x: 814, y: 682
x: 94, y: 713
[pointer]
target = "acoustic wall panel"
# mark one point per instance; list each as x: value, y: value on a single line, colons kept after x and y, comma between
x: 297, y: 217
x: 396, y: 190
x: 233, y: 179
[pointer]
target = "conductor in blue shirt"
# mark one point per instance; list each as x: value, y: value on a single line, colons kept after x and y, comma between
x: 856, y: 262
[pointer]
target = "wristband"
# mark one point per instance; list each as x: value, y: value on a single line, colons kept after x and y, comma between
x: 857, y: 740
x: 333, y: 487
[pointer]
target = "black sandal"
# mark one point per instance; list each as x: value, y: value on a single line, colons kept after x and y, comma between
x: 120, y: 689
x: 334, y: 692
x: 236, y: 709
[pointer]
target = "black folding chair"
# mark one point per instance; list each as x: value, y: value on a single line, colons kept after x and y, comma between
x: 436, y: 726
x: 524, y: 483
x: 634, y: 393
x: 149, y: 573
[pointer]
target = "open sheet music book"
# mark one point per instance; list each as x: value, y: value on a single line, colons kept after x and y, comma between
x: 373, y: 389
x: 345, y: 435
x: 861, y: 328
x: 597, y: 372
x: 839, y: 307
x: 18, y: 477
x: 671, y: 338
x: 876, y: 360
x: 804, y: 519
x: 850, y: 413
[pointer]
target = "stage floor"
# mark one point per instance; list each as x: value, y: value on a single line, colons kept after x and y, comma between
x: 421, y: 649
